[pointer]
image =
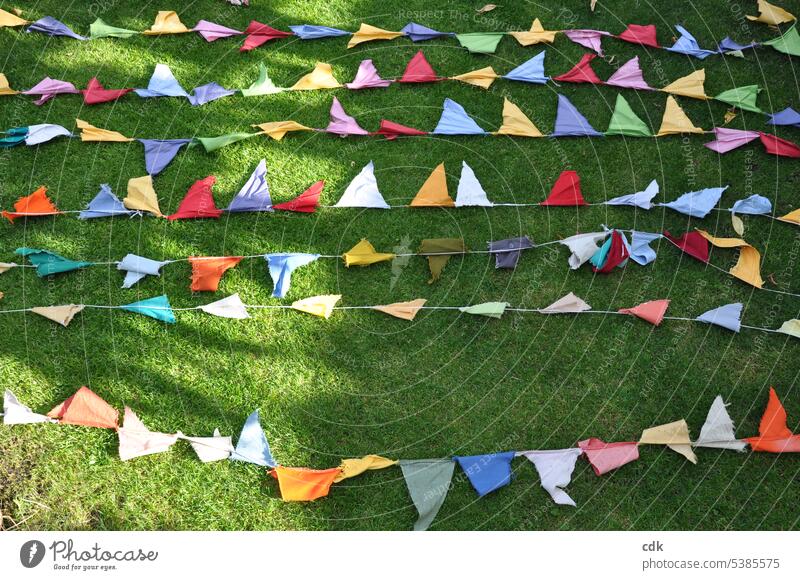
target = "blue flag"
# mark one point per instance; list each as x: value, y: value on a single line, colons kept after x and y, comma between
x: 697, y: 203
x: 753, y: 205
x: 281, y: 267
x: 640, y: 250
x: 158, y: 153
x: 786, y: 117
x: 417, y: 32
x: 104, y: 204
x: 253, y: 446
x: 687, y: 44
x: 157, y: 307
x: 52, y: 27
x: 311, y: 32
x: 487, y: 473
x: 455, y: 121
x: 570, y: 122
x: 530, y: 71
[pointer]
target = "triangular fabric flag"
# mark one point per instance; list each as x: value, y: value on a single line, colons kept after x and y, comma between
x: 581, y: 72
x: 312, y: 32
x: 263, y: 85
x: 392, y: 130
x: 774, y: 145
x: 692, y: 243
x: 281, y: 267
x: 211, y: 31
x: 367, y: 77
x: 625, y: 122
x: 433, y: 192
x: 787, y: 43
x: 743, y: 98
x: 488, y: 309
x: 629, y: 76
x: 52, y: 27
x: 99, y: 29
x: 535, y: 35
x: 774, y: 435
x: 94, y: 93
x: 363, y: 191
x: 753, y: 205
x: 36, y: 204
x: 566, y: 191
x: 428, y: 481
x: 137, y: 267
x: 480, y: 42
x: 515, y: 122
x: 771, y: 14
x: 640, y: 251
x: 341, y: 123
x: 48, y: 263
x: 198, y: 202
x: 531, y: 71
x: 92, y: 133
x: 418, y: 70
x: 367, y: 33
x: 162, y: 84
x: 402, y: 310
x: 507, y: 252
x: 687, y: 44
x: 320, y: 78
x: 691, y: 86
x: 208, y: 271
x: 438, y: 252
x: 642, y: 199
x: 14, y: 136
x: 674, y: 435
x: 483, y: 77
x: 85, y: 408
x: 48, y: 88
x: 230, y: 307
x: 45, y: 132
x: 470, y: 192
x: 278, y: 129
x: 10, y: 20
x: 590, y: 39
x: 728, y: 316
x: 364, y: 254
x: 303, y: 484
x: 613, y: 253
x: 306, y: 202
x: 787, y: 116
x: 570, y: 122
x: 555, y: 469
x: 63, y: 315
x: 640, y: 34
x: 166, y: 22
x: 729, y: 47
x: 582, y: 247
x: 254, y: 195
x: 213, y: 143
x: 697, y: 204
x: 790, y: 327
x: 207, y: 93
x: 569, y: 304
x: 675, y: 121
x: 136, y: 440
x: 652, y: 311
x: 15, y: 413
x: 208, y: 449
x: 159, y: 153
x: 356, y: 466
x: 456, y: 121
x: 729, y: 139
x: 748, y: 266
x: 718, y: 431
x: 321, y: 306
x: 258, y: 34
x: 793, y: 217
x: 253, y: 446
x: 417, y: 32
x: 487, y: 473
x: 6, y: 266
x: 605, y: 457
x: 157, y: 307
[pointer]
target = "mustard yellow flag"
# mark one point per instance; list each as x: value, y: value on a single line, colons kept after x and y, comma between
x: 515, y: 122
x: 318, y: 305
x: 141, y: 196
x: 402, y: 310
x: 793, y: 217
x: 92, y: 133
x: 352, y: 467
x: 366, y: 33
x: 748, y: 267
x: 433, y: 192
x: 5, y: 88
x: 535, y: 35
x: 7, y: 19
x: 692, y: 86
x: 771, y: 14
x: 319, y: 78
x: 63, y: 315
x: 167, y: 22
x: 278, y: 129
x: 675, y: 120
x: 364, y: 254
x: 483, y: 77
x: 674, y: 435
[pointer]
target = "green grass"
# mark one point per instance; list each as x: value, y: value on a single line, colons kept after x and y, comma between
x: 363, y: 382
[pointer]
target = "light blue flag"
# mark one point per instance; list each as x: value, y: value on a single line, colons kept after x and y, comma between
x: 254, y: 195
x: 311, y: 32
x: 162, y: 84
x: 642, y: 199
x: 253, y: 446
x: 207, y: 93
x: 487, y: 473
x: 640, y: 250
x: 281, y: 267
x: 137, y: 267
x: 104, y: 204
x: 697, y: 203
x: 157, y: 307
x: 530, y: 71
x: 753, y: 205
x: 48, y: 263
x: 570, y: 122
x: 455, y: 121
x: 728, y: 316
x: 687, y: 44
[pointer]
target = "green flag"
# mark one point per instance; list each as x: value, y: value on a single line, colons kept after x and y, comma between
x: 788, y: 43
x: 48, y: 263
x: 99, y: 29
x: 625, y: 122
x: 262, y: 86
x: 480, y: 42
x: 214, y: 143
x: 490, y: 309
x: 742, y: 97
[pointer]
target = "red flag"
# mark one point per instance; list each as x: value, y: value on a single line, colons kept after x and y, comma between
x: 566, y: 191
x: 640, y: 34
x: 207, y: 272
x: 581, y: 72
x: 777, y: 146
x: 199, y: 202
x: 418, y: 71
x: 87, y: 409
x: 94, y: 93
x: 258, y: 34
x: 306, y: 202
x: 617, y: 254
x: 391, y: 130
x: 33, y: 205
x: 653, y: 311
x: 774, y: 435
x: 692, y: 243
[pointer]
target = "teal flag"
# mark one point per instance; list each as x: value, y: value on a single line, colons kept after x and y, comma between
x: 48, y: 263
x: 157, y: 307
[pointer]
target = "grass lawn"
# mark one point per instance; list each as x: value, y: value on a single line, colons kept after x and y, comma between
x: 363, y: 382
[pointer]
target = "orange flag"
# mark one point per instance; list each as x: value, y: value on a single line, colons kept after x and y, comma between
x: 774, y: 435
x: 793, y: 217
x: 653, y: 311
x: 302, y: 484
x: 433, y: 192
x: 403, y: 310
x: 207, y: 271
x: 87, y: 409
x: 35, y: 204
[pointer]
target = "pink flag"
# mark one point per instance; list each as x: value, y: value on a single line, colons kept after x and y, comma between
x: 367, y: 77
x: 653, y: 311
x: 629, y: 76
x: 605, y: 457
x: 588, y: 38
x: 730, y: 139
x: 342, y: 123
x: 48, y: 88
x: 136, y: 440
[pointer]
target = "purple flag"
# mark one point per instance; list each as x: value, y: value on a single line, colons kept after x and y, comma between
x: 629, y: 76
x: 786, y: 117
x: 207, y: 93
x: 158, y: 153
x: 589, y: 38
x: 728, y: 45
x: 342, y: 123
x: 507, y: 252
x: 570, y: 122
x: 417, y: 32
x: 728, y: 316
x: 730, y: 139
x: 48, y: 88
x: 254, y: 196
x: 367, y: 77
x: 52, y: 27
x: 212, y: 31
x: 104, y: 204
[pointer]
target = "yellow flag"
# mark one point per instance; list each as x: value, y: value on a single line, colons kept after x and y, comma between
x: 318, y: 305
x: 675, y: 120
x: 364, y: 254
x: 771, y: 14
x: 433, y: 192
x: 691, y: 86
x: 60, y: 314
x: 167, y: 22
x: 9, y: 19
x: 483, y: 77
x: 674, y: 435
x: 793, y: 217
x: 92, y: 133
x: 515, y: 122
x: 277, y: 129
x: 403, y: 310
x: 367, y: 33
x: 748, y: 267
x: 536, y: 34
x: 352, y: 467
x: 142, y: 196
x: 319, y: 78
x: 5, y: 88
x: 791, y: 327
